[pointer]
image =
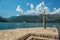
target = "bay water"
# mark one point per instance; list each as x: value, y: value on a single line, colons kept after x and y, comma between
x: 6, y: 25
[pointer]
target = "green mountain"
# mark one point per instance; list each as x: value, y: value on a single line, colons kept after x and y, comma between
x: 3, y: 19
x: 32, y: 18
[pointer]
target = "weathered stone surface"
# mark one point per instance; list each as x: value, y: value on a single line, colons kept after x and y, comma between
x: 14, y: 34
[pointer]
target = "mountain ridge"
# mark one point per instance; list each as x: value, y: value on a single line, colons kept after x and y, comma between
x: 32, y: 18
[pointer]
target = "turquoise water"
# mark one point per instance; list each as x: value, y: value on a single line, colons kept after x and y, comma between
x: 25, y: 25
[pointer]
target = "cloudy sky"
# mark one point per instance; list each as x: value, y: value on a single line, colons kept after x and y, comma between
x: 10, y: 8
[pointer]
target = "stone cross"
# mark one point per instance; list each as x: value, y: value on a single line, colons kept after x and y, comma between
x: 44, y: 20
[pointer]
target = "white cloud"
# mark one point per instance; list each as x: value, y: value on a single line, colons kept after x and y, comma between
x: 57, y: 11
x: 31, y: 11
x: 31, y: 6
x: 27, y: 4
x: 34, y: 11
x: 54, y: 9
x: 40, y: 7
x: 47, y: 10
x: 38, y: 10
x: 18, y: 9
